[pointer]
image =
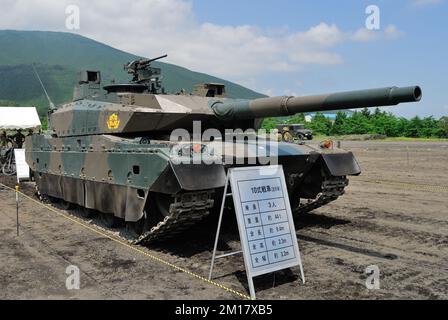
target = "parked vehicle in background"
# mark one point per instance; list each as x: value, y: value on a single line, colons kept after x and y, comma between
x: 290, y: 132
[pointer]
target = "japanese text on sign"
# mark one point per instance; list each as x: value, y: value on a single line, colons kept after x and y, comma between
x: 265, y: 220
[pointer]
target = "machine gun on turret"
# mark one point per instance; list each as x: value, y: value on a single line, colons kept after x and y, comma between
x: 143, y: 73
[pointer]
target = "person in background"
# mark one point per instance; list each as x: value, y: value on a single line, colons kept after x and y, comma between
x: 3, y: 139
x: 19, y: 138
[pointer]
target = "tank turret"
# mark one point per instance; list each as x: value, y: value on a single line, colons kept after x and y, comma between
x: 141, y: 105
x: 136, y: 107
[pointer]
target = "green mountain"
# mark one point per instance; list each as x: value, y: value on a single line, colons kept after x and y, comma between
x: 58, y: 56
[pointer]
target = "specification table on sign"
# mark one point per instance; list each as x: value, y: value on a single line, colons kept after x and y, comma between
x: 264, y: 219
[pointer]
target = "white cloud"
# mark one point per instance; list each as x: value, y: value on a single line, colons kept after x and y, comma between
x: 151, y: 27
x: 391, y: 32
x: 364, y: 35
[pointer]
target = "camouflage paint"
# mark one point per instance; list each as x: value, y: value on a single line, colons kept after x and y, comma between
x: 94, y: 156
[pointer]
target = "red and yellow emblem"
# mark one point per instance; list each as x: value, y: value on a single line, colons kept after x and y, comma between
x: 113, y: 122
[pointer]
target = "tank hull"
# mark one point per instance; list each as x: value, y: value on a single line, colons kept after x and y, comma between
x: 127, y: 179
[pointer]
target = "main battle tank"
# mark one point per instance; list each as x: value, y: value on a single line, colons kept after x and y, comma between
x: 112, y: 149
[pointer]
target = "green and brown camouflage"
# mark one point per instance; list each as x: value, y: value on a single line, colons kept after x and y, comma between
x: 110, y: 149
x: 132, y: 113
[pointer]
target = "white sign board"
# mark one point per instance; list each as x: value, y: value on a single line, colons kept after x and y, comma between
x: 23, y: 171
x: 265, y: 222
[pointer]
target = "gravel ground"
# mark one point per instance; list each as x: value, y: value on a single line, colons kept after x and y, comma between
x: 394, y: 216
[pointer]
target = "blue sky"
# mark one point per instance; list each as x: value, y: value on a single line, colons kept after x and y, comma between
x: 418, y: 56
x: 281, y: 47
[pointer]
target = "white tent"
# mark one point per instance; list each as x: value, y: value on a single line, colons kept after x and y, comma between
x: 13, y: 118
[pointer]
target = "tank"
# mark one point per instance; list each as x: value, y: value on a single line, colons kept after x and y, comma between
x: 157, y: 162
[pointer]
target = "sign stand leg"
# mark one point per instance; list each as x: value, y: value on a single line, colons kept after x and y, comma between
x: 302, y: 273
x: 250, y: 280
x: 218, y: 231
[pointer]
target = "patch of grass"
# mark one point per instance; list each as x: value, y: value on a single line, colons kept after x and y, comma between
x: 322, y: 137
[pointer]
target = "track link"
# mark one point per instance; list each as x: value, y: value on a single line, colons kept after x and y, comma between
x: 332, y: 188
x: 186, y: 210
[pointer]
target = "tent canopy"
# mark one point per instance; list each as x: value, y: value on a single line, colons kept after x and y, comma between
x: 13, y: 118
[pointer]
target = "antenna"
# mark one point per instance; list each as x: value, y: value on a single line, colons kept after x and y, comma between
x: 52, y: 106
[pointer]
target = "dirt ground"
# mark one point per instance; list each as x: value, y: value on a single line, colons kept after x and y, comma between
x: 395, y: 216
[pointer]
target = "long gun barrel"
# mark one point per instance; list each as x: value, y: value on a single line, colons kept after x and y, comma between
x: 141, y: 64
x: 283, y: 106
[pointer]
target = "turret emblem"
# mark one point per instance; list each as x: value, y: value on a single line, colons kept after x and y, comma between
x: 113, y: 122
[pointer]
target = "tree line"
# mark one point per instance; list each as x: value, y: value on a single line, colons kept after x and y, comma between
x: 368, y: 122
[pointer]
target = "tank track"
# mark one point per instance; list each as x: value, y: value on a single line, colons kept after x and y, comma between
x: 332, y: 188
x: 186, y: 211
x: 185, y: 214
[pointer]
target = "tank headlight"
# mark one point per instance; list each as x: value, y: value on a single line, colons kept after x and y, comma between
x: 190, y: 150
